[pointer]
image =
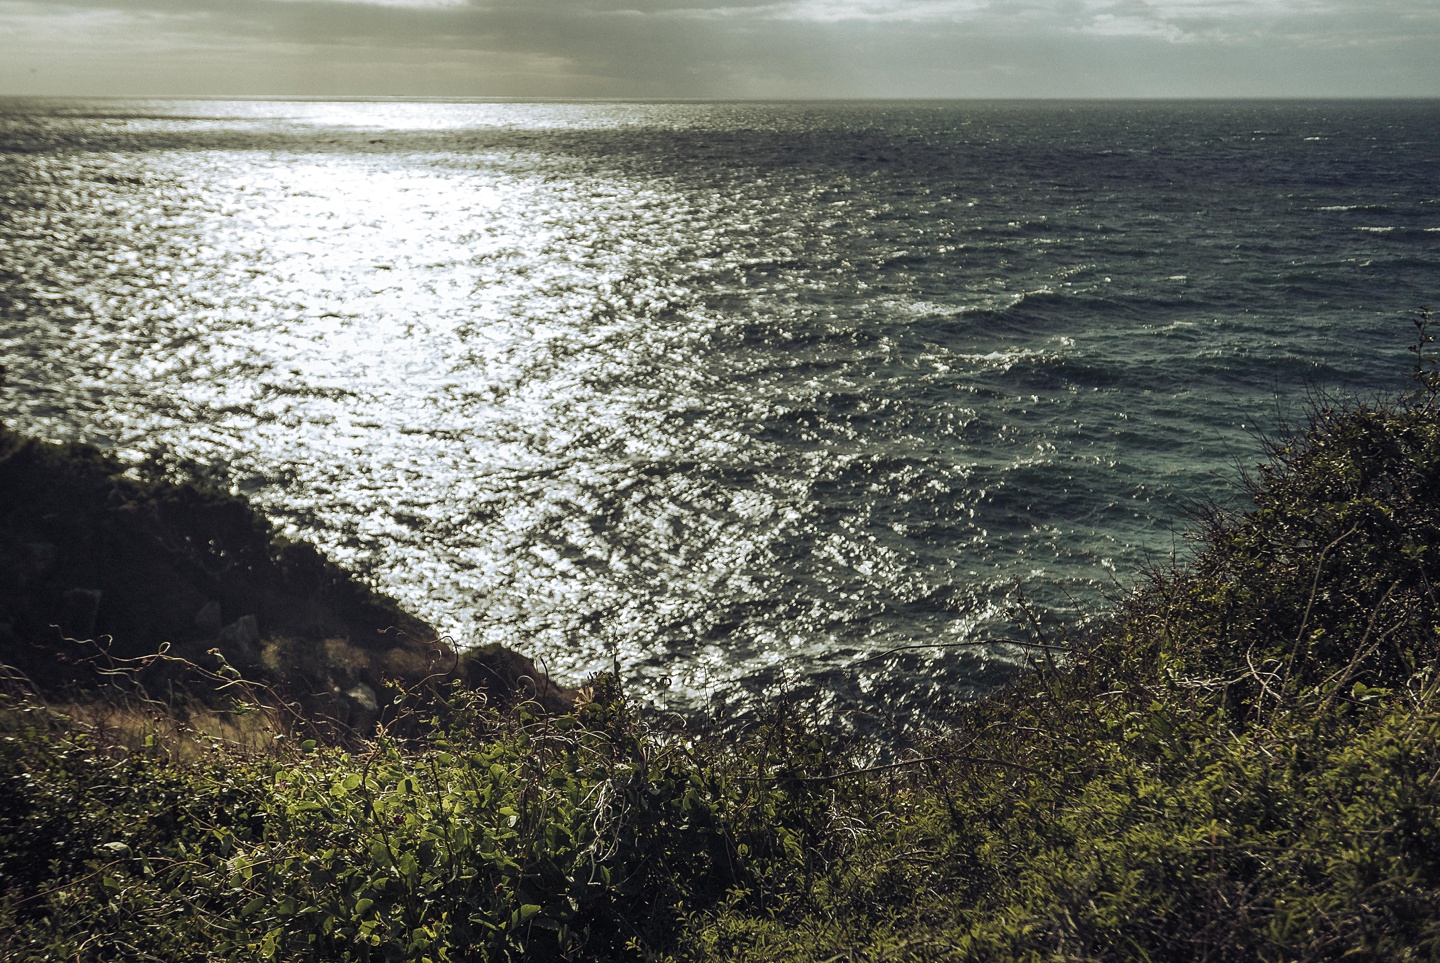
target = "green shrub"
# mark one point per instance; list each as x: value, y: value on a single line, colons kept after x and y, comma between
x: 1239, y: 763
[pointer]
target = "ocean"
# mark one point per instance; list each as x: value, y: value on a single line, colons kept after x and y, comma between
x: 745, y: 399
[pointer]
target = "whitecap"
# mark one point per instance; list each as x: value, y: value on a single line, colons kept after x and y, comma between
x: 933, y: 308
x: 1003, y: 360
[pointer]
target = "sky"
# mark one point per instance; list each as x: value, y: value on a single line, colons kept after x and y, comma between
x: 721, y: 49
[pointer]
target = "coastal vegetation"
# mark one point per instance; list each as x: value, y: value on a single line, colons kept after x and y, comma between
x: 1239, y: 762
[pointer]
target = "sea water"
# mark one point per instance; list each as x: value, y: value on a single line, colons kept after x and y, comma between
x: 742, y: 398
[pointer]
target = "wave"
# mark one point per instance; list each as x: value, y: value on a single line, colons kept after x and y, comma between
x: 698, y: 369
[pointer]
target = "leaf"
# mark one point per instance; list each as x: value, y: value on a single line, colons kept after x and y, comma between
x: 342, y: 788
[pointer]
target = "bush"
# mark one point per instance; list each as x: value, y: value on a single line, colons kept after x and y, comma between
x: 1239, y: 763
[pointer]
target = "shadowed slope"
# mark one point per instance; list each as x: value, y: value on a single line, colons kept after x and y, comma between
x: 87, y: 552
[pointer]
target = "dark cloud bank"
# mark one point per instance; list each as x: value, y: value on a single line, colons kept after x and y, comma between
x: 722, y: 48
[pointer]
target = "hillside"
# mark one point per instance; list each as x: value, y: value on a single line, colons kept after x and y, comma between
x: 1239, y: 763
x: 103, y: 569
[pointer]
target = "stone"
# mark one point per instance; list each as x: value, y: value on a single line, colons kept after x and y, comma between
x: 240, y: 640
x: 364, y: 697
x: 207, y: 619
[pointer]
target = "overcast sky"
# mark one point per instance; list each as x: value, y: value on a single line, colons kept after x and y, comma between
x: 722, y: 48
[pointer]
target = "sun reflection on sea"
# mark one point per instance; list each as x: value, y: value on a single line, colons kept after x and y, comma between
x: 449, y: 364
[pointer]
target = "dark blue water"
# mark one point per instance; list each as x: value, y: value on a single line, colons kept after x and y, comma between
x: 743, y: 395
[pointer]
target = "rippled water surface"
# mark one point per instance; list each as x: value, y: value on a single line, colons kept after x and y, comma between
x: 742, y: 395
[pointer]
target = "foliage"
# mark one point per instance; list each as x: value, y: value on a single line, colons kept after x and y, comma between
x: 1240, y: 763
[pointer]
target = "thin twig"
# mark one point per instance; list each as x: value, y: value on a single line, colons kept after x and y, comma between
x: 1310, y: 603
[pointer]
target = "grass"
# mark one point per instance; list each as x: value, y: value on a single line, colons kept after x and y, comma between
x: 1239, y: 763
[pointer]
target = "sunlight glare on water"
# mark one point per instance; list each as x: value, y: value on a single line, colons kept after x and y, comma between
x: 502, y: 379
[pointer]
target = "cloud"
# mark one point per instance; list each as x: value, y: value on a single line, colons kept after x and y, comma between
x: 722, y: 48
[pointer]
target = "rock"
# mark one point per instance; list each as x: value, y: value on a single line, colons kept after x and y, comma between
x: 511, y: 675
x: 240, y: 640
x: 208, y: 618
x: 364, y: 697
